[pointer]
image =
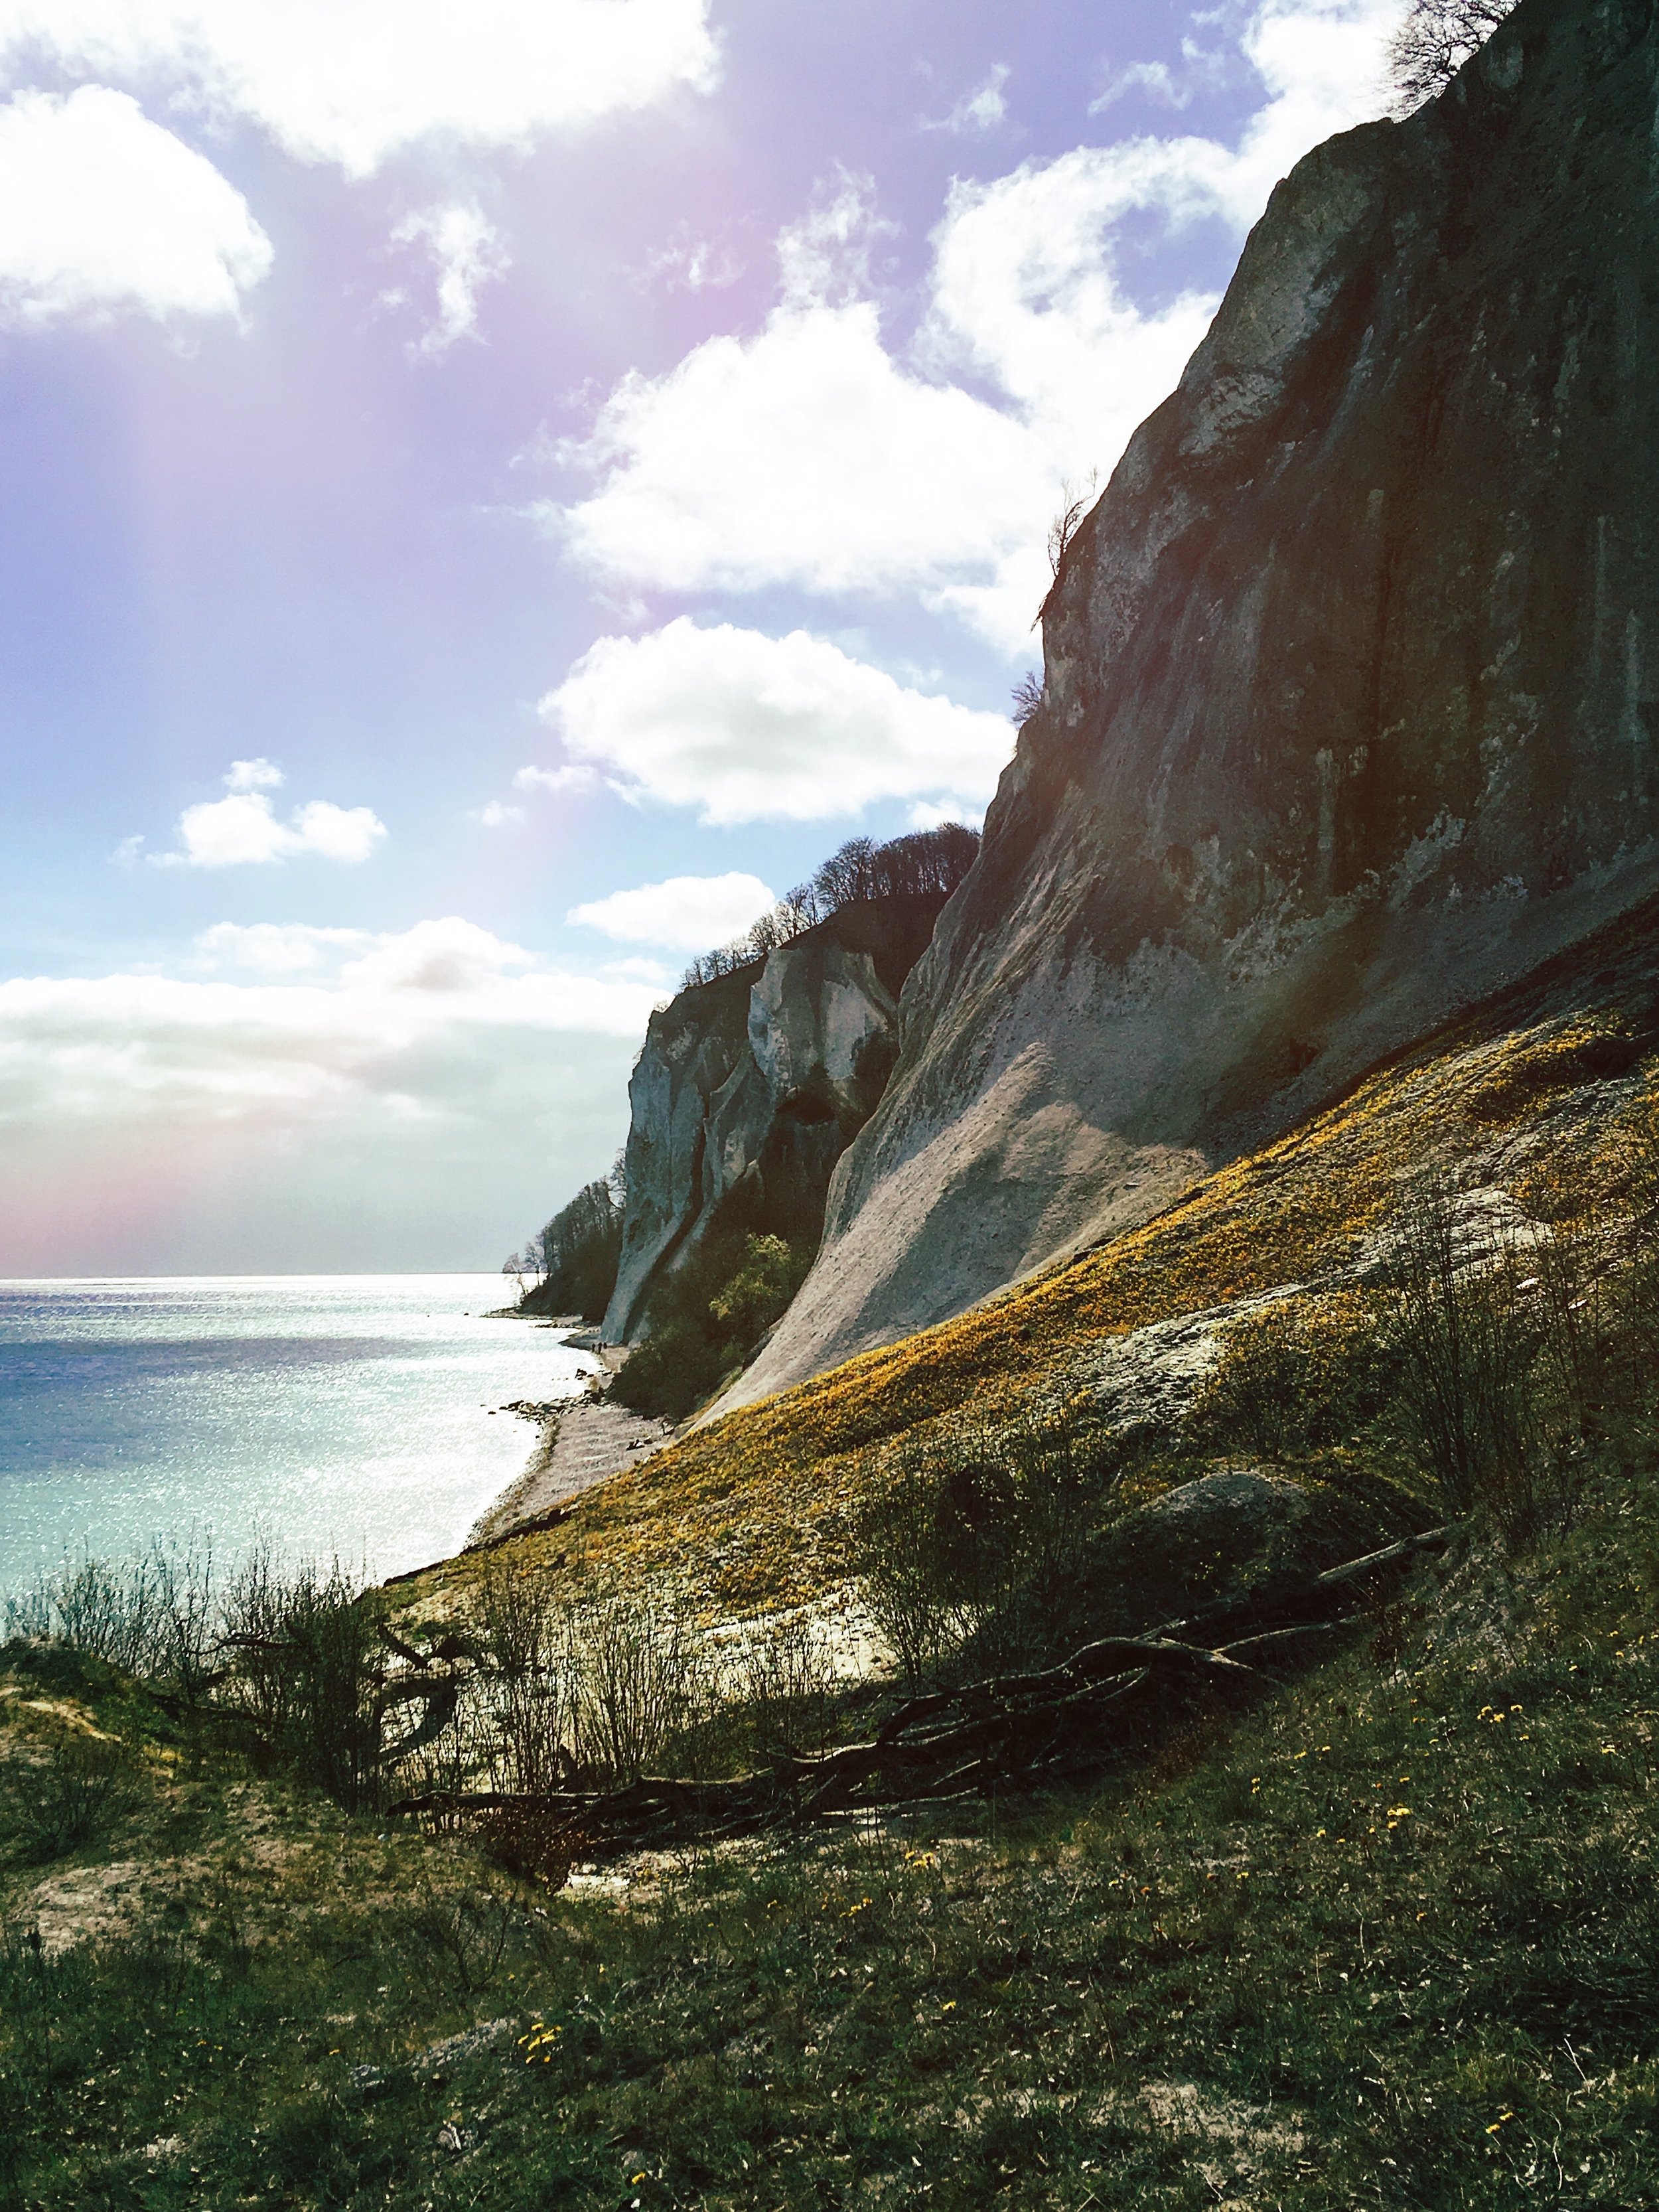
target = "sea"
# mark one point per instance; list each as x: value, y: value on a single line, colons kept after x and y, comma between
x: 357, y: 1417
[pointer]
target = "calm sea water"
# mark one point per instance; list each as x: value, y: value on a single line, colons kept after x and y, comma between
x: 345, y: 1413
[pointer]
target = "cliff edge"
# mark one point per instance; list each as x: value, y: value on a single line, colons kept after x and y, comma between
x: 1350, y: 695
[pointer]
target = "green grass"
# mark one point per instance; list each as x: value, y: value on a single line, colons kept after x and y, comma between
x: 1242, y: 1974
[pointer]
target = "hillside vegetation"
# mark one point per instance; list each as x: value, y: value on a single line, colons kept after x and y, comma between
x: 312, y: 1895
x: 1527, y: 1099
x: 1385, y: 1935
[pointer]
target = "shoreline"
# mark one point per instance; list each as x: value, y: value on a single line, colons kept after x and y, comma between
x: 584, y: 1440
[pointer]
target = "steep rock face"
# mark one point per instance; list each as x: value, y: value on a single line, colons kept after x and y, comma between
x: 1350, y: 695
x: 748, y: 1089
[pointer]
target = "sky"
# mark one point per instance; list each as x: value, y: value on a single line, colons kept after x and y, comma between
x: 492, y: 492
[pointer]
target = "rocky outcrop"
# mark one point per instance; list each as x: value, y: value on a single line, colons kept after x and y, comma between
x: 1239, y: 1535
x: 750, y: 1088
x: 1350, y: 695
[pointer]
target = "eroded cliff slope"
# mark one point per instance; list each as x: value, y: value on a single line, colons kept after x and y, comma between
x: 750, y: 1087
x: 1351, y: 687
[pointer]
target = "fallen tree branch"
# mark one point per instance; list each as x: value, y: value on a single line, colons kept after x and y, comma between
x: 995, y: 1730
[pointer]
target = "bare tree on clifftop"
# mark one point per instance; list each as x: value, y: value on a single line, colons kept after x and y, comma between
x: 1434, y: 41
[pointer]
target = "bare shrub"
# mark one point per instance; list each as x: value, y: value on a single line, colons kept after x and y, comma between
x: 78, y: 1788
x: 154, y: 1616
x: 522, y: 1693
x: 895, y: 1559
x: 974, y: 1546
x: 311, y: 1670
x: 1636, y: 1166
x: 788, y: 1684
x: 1507, y: 1340
x: 533, y: 1841
x: 1464, y: 1355
x: 1433, y: 41
x: 459, y: 1935
x: 641, y: 1678
x: 185, y: 1614
x: 1075, y: 502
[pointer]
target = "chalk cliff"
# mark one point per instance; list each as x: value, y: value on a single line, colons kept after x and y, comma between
x: 750, y: 1087
x: 1351, y: 693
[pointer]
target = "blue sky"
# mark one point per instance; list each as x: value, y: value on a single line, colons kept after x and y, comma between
x: 492, y: 492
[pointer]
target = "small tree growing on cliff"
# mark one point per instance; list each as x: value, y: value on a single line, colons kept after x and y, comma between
x: 1434, y: 41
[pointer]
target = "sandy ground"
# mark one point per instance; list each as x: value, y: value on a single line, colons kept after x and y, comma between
x: 582, y: 1442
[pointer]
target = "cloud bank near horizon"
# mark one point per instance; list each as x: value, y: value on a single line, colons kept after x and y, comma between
x: 294, y: 1043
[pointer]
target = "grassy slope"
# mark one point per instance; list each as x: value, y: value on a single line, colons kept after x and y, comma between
x: 1249, y: 1974
x: 756, y: 1503
x: 1365, y: 1942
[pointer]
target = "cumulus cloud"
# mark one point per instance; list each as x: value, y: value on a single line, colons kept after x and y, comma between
x: 244, y: 829
x: 684, y: 915
x: 494, y: 815
x: 356, y: 82
x: 260, y: 775
x: 824, y: 259
x: 746, y: 727
x: 811, y: 455
x: 982, y: 109
x: 102, y: 212
x: 806, y: 455
x: 467, y: 253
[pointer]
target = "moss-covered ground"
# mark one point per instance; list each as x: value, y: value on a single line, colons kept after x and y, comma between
x: 1387, y: 1935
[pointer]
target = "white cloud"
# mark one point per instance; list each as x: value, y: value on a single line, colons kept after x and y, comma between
x: 932, y: 814
x: 356, y: 82
x: 746, y: 727
x: 260, y: 775
x: 824, y: 259
x: 1156, y: 80
x: 467, y: 253
x: 103, y: 212
x: 691, y: 264
x: 411, y: 1100
x: 276, y: 948
x: 128, y: 1046
x: 811, y: 456
x: 574, y: 775
x: 494, y: 815
x: 244, y: 829
x: 1324, y: 60
x: 685, y: 915
x: 806, y: 455
x: 982, y: 109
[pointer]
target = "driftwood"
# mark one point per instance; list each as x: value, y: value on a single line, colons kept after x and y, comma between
x: 952, y: 1743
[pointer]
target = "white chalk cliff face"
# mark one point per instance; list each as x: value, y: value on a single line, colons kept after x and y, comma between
x: 1351, y: 696
x: 749, y: 1090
